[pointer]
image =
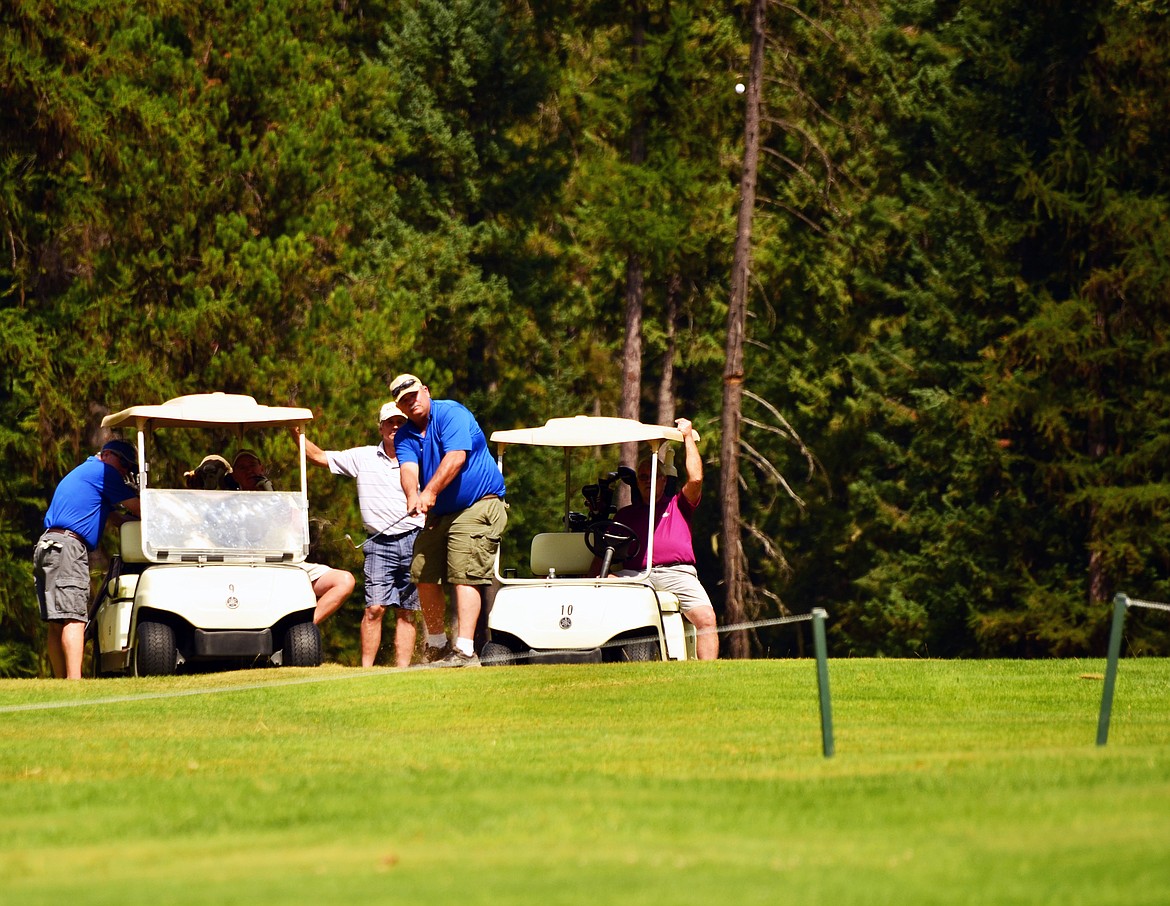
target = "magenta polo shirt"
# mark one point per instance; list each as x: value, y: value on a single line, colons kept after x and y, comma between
x: 672, y: 531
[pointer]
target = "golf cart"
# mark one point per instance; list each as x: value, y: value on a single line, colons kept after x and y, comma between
x: 207, y: 576
x: 562, y: 614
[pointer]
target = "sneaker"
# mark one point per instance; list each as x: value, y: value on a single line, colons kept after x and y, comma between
x: 431, y: 655
x: 457, y: 659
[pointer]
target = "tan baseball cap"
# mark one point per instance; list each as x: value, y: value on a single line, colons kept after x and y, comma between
x: 404, y: 384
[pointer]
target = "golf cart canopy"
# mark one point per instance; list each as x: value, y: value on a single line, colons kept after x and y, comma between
x: 587, y: 431
x: 209, y: 410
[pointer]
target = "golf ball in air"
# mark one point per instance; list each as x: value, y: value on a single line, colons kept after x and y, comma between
x: 740, y: 88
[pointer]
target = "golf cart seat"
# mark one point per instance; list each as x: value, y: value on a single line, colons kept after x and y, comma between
x: 564, y: 552
x: 668, y: 602
x: 125, y: 579
x: 132, y: 552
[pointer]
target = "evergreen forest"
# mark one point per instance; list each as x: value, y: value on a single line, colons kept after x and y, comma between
x: 950, y: 220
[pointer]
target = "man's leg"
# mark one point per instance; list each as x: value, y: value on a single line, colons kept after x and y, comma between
x: 61, y: 569
x: 72, y: 647
x: 467, y: 605
x: 706, y: 634
x: 696, y: 605
x: 56, y: 652
x: 405, y: 635
x: 434, y: 609
x: 474, y: 542
x: 434, y: 605
x: 331, y: 590
x: 371, y: 633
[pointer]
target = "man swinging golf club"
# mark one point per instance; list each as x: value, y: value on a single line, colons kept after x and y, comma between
x: 389, y: 546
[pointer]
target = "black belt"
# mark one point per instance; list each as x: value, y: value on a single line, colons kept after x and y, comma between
x: 395, y: 536
x: 69, y: 532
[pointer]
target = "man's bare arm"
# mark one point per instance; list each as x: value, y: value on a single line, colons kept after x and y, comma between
x: 449, y: 466
x: 408, y: 475
x: 313, y: 453
x: 692, y: 490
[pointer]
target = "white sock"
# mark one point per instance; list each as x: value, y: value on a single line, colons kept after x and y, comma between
x: 467, y: 646
x: 436, y: 639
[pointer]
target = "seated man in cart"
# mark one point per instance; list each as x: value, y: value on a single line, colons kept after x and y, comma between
x: 332, y: 586
x: 673, y: 569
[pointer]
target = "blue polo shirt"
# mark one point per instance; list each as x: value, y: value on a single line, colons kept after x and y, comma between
x: 451, y: 427
x: 85, y: 498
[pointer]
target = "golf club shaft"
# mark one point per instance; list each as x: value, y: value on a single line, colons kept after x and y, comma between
x: 396, y: 522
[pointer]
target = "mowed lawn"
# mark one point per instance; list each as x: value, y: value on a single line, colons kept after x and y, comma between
x: 953, y: 782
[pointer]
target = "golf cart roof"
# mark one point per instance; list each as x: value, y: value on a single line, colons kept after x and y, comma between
x: 208, y: 410
x: 586, y: 431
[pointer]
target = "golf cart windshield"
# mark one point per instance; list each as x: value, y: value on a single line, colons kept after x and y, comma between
x: 183, y: 525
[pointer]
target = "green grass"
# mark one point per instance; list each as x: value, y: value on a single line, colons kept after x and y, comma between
x: 954, y: 782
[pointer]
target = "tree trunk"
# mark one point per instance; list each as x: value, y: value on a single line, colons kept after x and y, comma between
x: 666, y: 385
x: 734, y: 562
x: 1098, y: 448
x: 632, y: 347
x: 635, y: 280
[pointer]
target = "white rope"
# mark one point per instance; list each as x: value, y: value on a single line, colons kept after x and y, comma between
x: 1152, y: 605
x: 180, y: 693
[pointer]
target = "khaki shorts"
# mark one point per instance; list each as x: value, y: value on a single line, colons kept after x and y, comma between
x: 681, y: 580
x: 315, y: 570
x: 460, y: 548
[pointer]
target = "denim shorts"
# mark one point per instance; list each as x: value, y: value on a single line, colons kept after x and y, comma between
x: 388, y: 571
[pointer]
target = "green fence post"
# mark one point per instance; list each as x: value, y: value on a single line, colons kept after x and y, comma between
x: 819, y: 615
x: 1120, y: 603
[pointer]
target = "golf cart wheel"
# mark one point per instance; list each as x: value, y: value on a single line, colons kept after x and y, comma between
x: 496, y: 655
x: 154, y: 650
x: 641, y: 651
x: 302, y: 646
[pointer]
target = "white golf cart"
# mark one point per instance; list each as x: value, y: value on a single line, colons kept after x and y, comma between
x: 208, y: 575
x: 561, y: 614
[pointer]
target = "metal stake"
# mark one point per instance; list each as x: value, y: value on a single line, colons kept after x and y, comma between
x: 819, y: 615
x: 1120, y: 605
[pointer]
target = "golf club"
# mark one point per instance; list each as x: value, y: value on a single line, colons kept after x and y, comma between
x: 376, y: 534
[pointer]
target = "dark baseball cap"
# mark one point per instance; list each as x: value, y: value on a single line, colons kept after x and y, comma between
x: 124, y: 451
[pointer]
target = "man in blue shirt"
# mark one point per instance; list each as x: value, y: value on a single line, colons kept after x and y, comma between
x: 449, y: 476
x: 74, y: 524
x: 390, y: 546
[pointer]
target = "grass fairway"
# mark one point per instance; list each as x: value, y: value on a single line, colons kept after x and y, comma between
x: 953, y: 782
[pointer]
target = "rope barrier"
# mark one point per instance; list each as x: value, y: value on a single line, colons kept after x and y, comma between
x: 1152, y: 605
x: 363, y: 674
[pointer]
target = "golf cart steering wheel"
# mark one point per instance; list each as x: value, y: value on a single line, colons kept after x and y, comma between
x: 611, y: 541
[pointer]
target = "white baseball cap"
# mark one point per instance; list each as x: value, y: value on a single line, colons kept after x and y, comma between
x: 389, y: 410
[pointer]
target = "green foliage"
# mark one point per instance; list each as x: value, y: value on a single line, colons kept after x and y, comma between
x: 956, y: 403
x: 672, y: 207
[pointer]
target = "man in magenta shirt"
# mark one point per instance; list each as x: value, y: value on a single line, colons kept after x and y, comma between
x: 673, y: 569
